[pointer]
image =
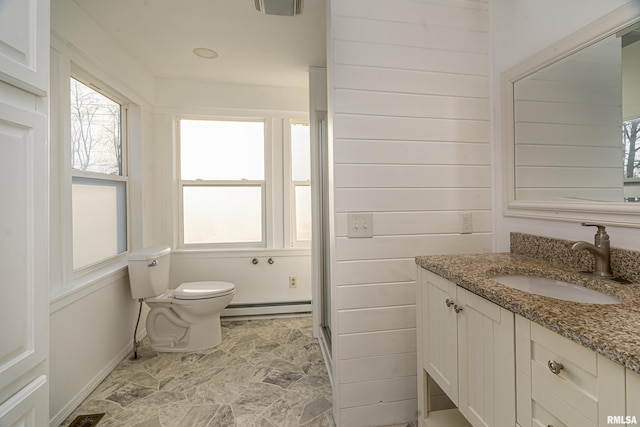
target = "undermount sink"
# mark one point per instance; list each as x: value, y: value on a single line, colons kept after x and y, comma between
x: 555, y: 289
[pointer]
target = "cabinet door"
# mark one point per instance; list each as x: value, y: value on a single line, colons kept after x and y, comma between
x: 486, y: 364
x: 24, y: 306
x: 24, y: 44
x: 440, y: 333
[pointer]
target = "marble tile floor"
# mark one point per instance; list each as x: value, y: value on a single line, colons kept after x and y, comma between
x: 265, y: 373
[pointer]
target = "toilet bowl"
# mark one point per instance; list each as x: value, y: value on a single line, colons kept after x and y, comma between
x: 183, y: 319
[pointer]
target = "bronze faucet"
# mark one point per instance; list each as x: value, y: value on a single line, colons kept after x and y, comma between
x: 601, y: 250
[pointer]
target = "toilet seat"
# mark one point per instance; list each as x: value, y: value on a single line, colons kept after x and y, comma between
x: 202, y: 290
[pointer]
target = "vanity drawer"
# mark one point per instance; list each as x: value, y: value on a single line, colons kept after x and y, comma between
x: 549, y: 408
x: 570, y: 384
x: 575, y: 383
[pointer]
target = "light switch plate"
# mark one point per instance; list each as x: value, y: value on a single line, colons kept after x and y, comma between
x: 360, y: 225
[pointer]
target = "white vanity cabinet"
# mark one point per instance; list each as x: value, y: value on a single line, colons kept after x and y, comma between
x: 561, y: 383
x: 633, y: 396
x: 465, y: 344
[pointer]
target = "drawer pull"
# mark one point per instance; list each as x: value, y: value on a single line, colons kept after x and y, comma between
x: 554, y: 366
x: 457, y: 308
x: 448, y: 302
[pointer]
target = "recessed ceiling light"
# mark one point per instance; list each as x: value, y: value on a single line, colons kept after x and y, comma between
x: 205, y: 53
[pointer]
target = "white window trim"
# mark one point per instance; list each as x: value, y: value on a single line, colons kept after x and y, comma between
x: 277, y: 217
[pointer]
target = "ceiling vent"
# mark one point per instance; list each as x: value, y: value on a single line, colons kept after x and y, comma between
x: 279, y: 7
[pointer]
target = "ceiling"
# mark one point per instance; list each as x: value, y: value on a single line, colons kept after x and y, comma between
x: 253, y: 48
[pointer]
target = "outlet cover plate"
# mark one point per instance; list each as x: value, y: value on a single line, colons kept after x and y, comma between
x: 360, y: 225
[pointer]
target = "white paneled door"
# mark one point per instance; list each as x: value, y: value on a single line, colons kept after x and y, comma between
x: 24, y: 218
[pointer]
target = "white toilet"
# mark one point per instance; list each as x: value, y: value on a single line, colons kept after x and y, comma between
x: 183, y: 319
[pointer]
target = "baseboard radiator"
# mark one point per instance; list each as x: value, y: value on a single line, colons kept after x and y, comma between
x: 267, y: 309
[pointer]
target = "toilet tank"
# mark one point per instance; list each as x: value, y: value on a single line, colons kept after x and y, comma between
x: 149, y: 271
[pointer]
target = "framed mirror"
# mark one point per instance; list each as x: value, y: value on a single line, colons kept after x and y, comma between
x: 571, y: 117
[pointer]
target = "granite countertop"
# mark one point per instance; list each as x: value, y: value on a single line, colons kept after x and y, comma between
x: 612, y: 330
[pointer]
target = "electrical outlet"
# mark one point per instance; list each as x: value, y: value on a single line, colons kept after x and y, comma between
x: 466, y: 223
x: 293, y: 283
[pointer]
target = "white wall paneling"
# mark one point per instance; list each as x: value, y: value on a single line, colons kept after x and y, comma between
x: 362, y: 345
x: 262, y: 283
x: 383, y: 412
x: 390, y: 366
x: 411, y: 146
x: 419, y: 223
x: 376, y: 319
x: 372, y: 392
x: 376, y: 295
x: 412, y: 199
x: 104, y: 336
x: 407, y: 246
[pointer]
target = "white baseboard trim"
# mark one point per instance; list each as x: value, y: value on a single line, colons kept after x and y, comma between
x: 91, y: 386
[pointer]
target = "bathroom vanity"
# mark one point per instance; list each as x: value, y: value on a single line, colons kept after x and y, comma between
x: 506, y: 357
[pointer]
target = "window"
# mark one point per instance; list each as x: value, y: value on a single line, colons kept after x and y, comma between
x: 631, y: 143
x: 222, y: 182
x: 99, y: 181
x: 300, y: 182
x: 244, y: 183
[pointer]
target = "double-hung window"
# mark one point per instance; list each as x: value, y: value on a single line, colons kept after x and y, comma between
x: 244, y: 183
x: 99, y: 179
x: 222, y: 182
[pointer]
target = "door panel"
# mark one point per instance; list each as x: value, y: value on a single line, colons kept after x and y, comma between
x: 23, y: 243
x: 28, y: 407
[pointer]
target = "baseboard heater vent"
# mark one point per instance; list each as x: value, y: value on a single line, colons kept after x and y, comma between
x: 271, y: 308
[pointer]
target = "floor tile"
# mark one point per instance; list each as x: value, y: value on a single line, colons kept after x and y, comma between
x: 267, y: 373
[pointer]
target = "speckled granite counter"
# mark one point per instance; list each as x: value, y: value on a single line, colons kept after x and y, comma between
x: 612, y: 330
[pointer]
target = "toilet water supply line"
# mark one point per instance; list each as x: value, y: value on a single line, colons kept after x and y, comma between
x: 136, y: 343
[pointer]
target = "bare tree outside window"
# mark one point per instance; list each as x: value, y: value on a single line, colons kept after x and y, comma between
x: 631, y: 142
x: 95, y: 131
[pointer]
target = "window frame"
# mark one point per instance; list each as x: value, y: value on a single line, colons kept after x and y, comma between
x: 264, y: 184
x: 95, y: 84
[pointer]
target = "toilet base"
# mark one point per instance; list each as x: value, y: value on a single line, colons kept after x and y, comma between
x: 200, y: 336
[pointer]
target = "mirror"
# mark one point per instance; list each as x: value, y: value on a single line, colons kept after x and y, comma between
x: 572, y: 118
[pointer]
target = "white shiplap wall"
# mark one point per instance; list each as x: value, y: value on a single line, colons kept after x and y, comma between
x: 410, y: 112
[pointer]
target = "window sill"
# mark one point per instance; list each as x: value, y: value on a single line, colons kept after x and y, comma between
x: 234, y: 253
x: 87, y: 284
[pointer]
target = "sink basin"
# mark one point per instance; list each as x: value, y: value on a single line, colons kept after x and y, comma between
x: 555, y: 289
